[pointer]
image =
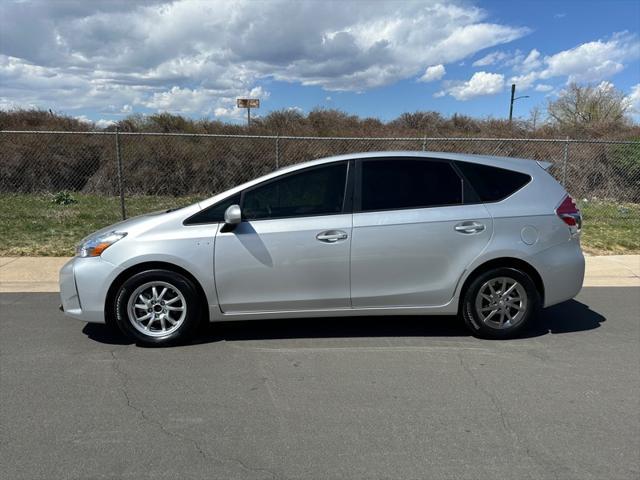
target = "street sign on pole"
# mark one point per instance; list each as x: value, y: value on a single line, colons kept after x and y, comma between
x: 248, y: 103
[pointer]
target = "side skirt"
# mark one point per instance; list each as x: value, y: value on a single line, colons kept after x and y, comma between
x: 450, y: 308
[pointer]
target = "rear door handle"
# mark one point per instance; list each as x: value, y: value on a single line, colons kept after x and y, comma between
x: 332, y: 236
x: 469, y: 227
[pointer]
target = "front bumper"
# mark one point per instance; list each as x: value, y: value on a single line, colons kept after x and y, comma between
x: 84, y: 283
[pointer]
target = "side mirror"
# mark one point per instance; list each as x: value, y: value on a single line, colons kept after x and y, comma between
x: 233, y: 215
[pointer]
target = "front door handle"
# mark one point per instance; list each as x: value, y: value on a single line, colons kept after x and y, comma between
x: 331, y: 236
x: 469, y: 227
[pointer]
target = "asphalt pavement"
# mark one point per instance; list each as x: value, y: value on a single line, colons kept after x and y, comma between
x: 366, y: 398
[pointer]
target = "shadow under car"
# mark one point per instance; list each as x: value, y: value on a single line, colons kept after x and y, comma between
x: 567, y: 317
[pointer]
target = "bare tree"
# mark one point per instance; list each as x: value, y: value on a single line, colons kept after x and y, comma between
x: 534, y: 117
x: 589, y: 107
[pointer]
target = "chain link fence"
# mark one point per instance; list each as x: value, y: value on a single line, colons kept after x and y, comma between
x: 186, y: 164
x: 171, y: 169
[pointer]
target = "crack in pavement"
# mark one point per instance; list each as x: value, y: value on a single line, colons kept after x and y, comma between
x: 625, y: 266
x: 9, y: 262
x: 520, y: 444
x: 124, y: 381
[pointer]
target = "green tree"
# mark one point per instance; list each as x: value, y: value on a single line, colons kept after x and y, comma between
x: 589, y: 109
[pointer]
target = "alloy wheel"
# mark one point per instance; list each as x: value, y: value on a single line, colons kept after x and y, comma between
x: 501, y: 303
x: 156, y: 309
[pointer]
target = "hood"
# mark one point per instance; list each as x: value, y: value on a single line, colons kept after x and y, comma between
x: 141, y: 223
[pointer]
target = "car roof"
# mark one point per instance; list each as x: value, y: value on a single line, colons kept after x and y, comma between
x: 517, y: 164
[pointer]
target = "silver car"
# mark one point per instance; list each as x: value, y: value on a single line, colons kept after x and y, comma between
x: 388, y: 233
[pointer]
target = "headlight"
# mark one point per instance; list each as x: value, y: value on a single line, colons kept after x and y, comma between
x: 94, y: 246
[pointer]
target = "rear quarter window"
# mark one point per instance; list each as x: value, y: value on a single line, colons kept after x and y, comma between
x: 492, y: 184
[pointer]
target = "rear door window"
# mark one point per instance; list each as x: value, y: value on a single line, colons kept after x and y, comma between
x: 400, y: 183
x: 492, y: 184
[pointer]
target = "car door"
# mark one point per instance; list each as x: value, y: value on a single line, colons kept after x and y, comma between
x: 413, y: 234
x: 291, y: 251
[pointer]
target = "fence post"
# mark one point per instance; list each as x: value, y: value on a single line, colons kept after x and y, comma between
x: 424, y: 143
x: 565, y: 160
x: 277, y: 152
x: 120, y: 180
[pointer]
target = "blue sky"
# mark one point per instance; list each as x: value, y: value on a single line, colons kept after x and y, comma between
x: 103, y: 60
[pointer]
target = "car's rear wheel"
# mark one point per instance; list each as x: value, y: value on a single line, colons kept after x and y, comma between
x: 500, y: 303
x: 157, y: 308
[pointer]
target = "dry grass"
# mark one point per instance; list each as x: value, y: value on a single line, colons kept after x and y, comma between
x: 34, y: 225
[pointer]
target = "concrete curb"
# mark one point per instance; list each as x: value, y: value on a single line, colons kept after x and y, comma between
x: 30, y: 274
x: 40, y: 274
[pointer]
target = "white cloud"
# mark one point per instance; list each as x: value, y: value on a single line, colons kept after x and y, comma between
x: 593, y: 61
x: 605, y: 86
x: 194, y: 57
x: 515, y: 60
x: 491, y: 59
x: 6, y: 104
x: 230, y: 113
x: 481, y: 83
x: 634, y: 98
x: 83, y: 119
x: 532, y: 60
x: 104, y: 123
x: 586, y: 63
x: 200, y: 100
x: 524, y: 82
x: 259, y: 92
x: 101, y: 123
x: 125, y: 109
x: 543, y: 87
x: 182, y: 100
x: 433, y: 73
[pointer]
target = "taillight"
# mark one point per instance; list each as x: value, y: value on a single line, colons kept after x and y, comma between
x: 570, y: 214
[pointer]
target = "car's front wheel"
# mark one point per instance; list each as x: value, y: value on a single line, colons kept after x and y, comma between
x: 500, y: 303
x: 157, y: 308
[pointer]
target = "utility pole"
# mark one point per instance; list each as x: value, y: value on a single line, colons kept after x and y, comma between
x: 513, y: 99
x: 513, y: 93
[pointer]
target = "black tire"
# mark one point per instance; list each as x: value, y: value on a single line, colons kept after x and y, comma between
x: 488, y: 329
x: 186, y: 321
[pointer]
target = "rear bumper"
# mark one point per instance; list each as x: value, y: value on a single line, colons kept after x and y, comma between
x: 562, y: 270
x: 84, y: 283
